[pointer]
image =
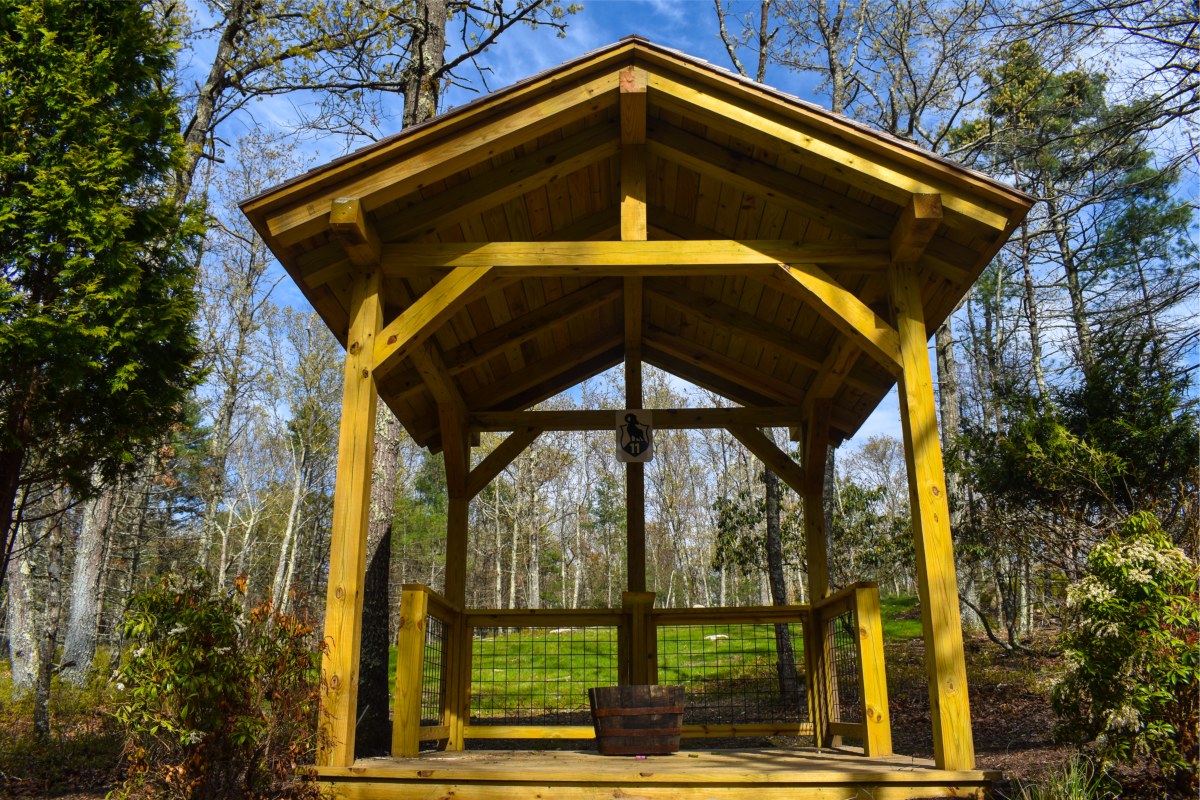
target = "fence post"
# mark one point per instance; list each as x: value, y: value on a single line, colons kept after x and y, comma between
x: 458, y: 682
x: 819, y: 682
x: 642, y: 648
x: 410, y: 658
x: 877, y: 740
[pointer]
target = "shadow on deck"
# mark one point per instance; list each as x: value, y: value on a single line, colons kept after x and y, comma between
x: 744, y: 774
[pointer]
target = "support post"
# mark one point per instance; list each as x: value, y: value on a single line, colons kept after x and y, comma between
x: 816, y: 451
x: 936, y: 581
x: 456, y: 452
x: 642, y: 648
x: 348, y: 545
x: 872, y: 676
x: 410, y: 655
x: 633, y: 229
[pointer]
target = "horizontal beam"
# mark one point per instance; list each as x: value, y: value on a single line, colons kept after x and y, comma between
x: 518, y: 259
x: 664, y: 418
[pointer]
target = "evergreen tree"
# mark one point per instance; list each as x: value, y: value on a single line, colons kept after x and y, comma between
x: 96, y: 284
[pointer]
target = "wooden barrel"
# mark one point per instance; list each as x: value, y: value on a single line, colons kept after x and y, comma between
x: 637, y: 720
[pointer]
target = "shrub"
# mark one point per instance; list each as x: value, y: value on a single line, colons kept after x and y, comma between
x: 217, y: 702
x: 1132, y: 687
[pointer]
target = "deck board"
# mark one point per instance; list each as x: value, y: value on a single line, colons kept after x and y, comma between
x: 745, y: 774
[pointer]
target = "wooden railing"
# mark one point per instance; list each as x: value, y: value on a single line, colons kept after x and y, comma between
x: 841, y: 664
x: 847, y: 623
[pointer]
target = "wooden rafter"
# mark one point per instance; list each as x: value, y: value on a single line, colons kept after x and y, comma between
x: 443, y: 159
x: 533, y: 324
x: 832, y: 156
x: 664, y: 418
x: 721, y: 365
x: 812, y: 200
x: 505, y: 182
x: 604, y: 345
x: 708, y: 309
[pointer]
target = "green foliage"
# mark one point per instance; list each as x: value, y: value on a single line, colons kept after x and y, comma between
x: 218, y: 702
x: 1134, y: 684
x: 1121, y: 441
x: 864, y: 542
x: 97, y: 348
x: 1079, y: 779
x: 741, y: 530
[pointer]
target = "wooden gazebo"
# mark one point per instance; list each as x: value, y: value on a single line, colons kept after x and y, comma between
x: 639, y: 206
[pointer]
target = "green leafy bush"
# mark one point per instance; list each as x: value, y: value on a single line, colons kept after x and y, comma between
x: 1132, y: 642
x: 217, y: 702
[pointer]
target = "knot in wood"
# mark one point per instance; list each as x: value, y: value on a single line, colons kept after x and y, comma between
x: 355, y: 347
x: 366, y: 373
x: 339, y: 593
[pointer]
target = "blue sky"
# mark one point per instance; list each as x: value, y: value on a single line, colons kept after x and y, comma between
x: 687, y: 25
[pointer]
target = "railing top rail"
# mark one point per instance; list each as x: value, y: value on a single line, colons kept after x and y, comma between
x: 843, y: 594
x: 436, y: 600
x: 543, y: 617
x: 731, y: 615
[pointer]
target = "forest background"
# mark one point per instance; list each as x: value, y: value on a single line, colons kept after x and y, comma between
x: 1066, y: 379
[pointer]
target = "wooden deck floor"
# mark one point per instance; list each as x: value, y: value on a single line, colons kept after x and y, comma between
x: 758, y: 774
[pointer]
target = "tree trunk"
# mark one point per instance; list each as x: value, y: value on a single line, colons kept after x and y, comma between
x: 789, y: 688
x: 1083, y: 332
x: 199, y: 128
x: 79, y: 644
x: 373, y: 735
x: 47, y: 634
x: 22, y: 619
x: 427, y: 50
x: 286, y: 546
x: 1035, y: 336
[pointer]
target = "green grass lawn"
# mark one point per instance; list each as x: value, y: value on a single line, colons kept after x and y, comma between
x: 533, y: 671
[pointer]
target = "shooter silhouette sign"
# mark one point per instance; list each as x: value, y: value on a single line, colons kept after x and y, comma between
x: 635, y: 436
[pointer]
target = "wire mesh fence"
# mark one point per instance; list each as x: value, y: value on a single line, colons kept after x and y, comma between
x: 433, y: 671
x: 736, y: 672
x: 539, y: 676
x: 842, y: 646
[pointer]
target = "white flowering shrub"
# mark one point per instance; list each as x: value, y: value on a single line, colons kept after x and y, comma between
x: 1132, y: 644
x: 216, y: 702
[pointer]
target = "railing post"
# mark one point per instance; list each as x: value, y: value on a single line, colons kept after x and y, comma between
x: 813, y: 649
x: 410, y: 657
x: 642, y: 641
x: 458, y: 682
x: 877, y: 740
